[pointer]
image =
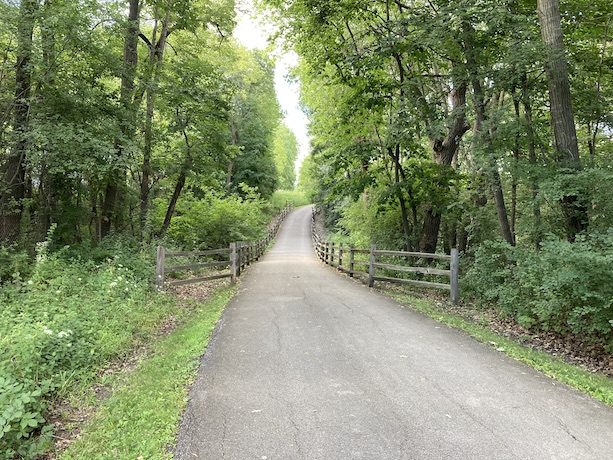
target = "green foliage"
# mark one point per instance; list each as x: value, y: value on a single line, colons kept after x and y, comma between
x: 157, y: 388
x: 14, y: 263
x: 281, y: 198
x: 565, y: 287
x: 286, y: 152
x: 213, y: 220
x: 308, y: 178
x: 22, y: 430
x: 367, y: 222
x: 61, y: 324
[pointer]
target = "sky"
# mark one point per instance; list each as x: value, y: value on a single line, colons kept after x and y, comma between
x: 251, y: 33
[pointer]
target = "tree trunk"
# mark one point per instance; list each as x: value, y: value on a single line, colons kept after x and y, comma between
x: 13, y: 185
x: 482, y: 139
x: 443, y: 152
x: 156, y: 56
x: 561, y: 110
x: 114, y: 188
x: 536, y: 210
x: 173, y: 203
x: 398, y: 173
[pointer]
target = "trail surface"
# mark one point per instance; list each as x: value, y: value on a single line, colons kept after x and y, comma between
x: 309, y: 364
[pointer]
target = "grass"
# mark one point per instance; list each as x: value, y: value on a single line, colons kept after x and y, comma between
x: 140, y: 420
x: 281, y: 197
x: 596, y: 385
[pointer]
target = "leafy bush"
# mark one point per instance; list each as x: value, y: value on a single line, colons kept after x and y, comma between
x: 369, y: 222
x: 214, y: 221
x: 14, y: 263
x: 21, y: 417
x: 64, y: 323
x: 282, y: 197
x: 565, y: 287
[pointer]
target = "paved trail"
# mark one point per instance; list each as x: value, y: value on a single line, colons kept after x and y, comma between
x: 309, y: 364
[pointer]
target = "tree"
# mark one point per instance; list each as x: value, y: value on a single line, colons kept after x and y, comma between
x: 562, y: 118
x: 13, y: 169
x: 286, y: 153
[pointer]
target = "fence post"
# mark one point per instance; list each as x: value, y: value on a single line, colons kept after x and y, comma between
x: 332, y: 255
x: 351, y: 260
x: 371, y: 266
x: 159, y: 267
x: 454, y: 282
x: 233, y: 271
x: 340, y: 256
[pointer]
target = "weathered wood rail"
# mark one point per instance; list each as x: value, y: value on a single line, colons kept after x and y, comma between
x: 344, y: 259
x: 231, y: 260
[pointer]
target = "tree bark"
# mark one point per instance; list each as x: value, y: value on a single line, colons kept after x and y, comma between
x: 484, y: 139
x: 113, y: 193
x: 443, y: 152
x: 398, y: 173
x: 13, y: 186
x: 530, y: 136
x: 173, y: 203
x: 156, y: 56
x: 561, y: 110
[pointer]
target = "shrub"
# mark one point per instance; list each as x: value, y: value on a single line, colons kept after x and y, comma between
x: 21, y: 417
x: 214, y: 221
x: 70, y: 318
x: 565, y: 287
x: 14, y: 263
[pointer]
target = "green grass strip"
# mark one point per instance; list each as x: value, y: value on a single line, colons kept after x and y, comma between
x: 596, y: 385
x: 141, y: 419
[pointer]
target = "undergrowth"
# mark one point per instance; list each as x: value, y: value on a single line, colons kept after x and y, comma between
x: 141, y: 419
x: 59, y: 326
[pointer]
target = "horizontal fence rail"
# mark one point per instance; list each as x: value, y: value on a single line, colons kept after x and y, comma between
x: 231, y: 260
x: 369, y: 263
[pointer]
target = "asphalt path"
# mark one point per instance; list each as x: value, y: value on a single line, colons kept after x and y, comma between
x: 307, y: 363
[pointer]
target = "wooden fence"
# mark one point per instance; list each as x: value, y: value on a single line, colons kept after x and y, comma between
x: 231, y: 260
x: 370, y: 264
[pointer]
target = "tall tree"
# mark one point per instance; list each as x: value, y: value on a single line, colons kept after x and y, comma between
x: 13, y: 185
x: 286, y: 153
x: 562, y: 118
x: 116, y: 184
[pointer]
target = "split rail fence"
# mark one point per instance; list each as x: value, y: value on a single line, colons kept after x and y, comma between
x: 344, y: 259
x: 231, y: 260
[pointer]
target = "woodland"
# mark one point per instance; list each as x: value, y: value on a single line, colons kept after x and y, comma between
x: 123, y: 125
x: 481, y: 125
x: 118, y: 116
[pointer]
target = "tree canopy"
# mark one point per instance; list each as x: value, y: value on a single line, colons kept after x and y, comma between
x: 111, y: 107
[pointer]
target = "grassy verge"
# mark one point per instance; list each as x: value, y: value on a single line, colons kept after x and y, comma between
x: 596, y: 385
x: 140, y: 420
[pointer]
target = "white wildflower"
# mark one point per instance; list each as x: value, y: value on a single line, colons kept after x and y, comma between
x: 47, y: 331
x: 30, y: 282
x: 113, y: 284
